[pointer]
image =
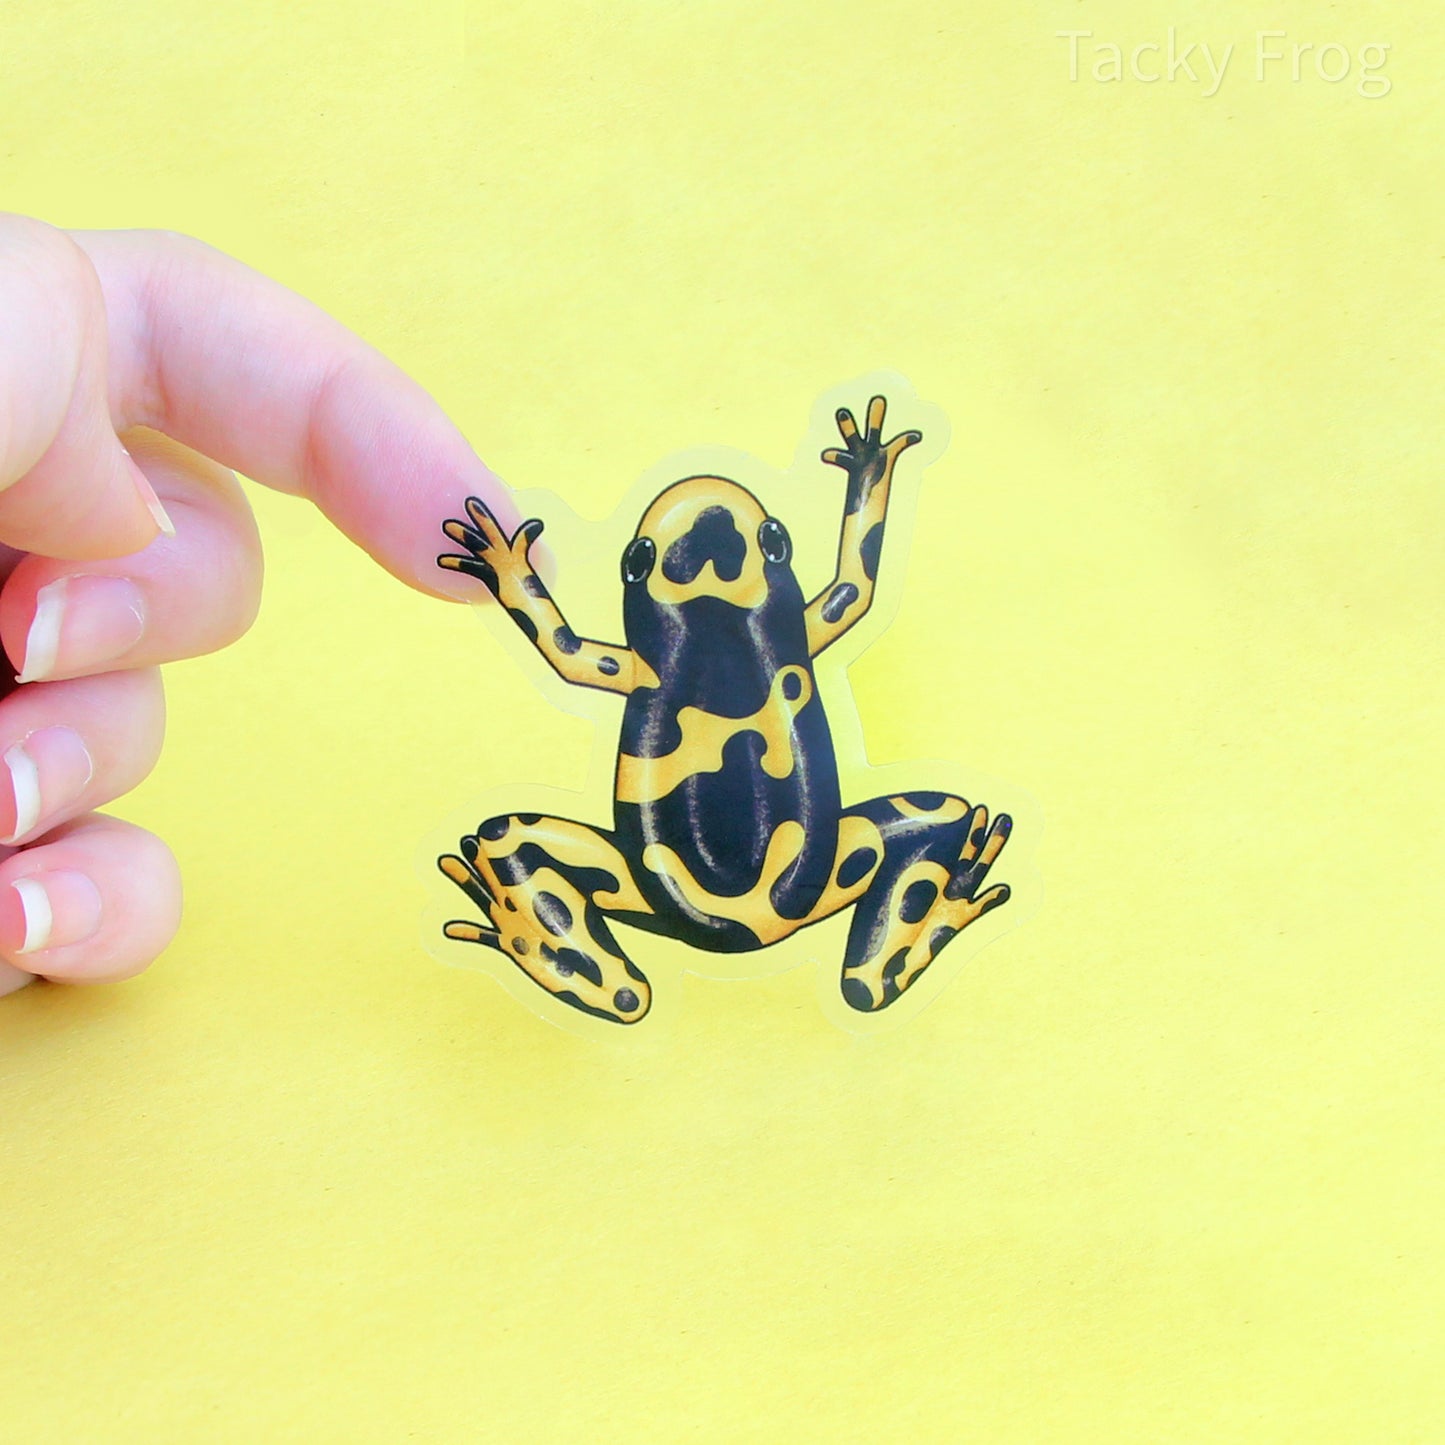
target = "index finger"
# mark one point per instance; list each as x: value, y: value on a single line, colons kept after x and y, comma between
x: 239, y: 368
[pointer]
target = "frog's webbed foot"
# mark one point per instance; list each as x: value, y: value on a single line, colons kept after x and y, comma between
x: 937, y: 852
x: 864, y: 455
x: 543, y: 885
x: 868, y: 461
x: 491, y: 556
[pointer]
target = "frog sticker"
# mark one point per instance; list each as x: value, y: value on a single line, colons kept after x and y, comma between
x: 729, y: 830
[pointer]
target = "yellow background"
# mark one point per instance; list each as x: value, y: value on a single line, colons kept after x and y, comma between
x: 1162, y: 1164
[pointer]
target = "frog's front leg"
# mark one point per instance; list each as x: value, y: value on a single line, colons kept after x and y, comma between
x: 544, y: 885
x: 502, y: 563
x: 869, y: 462
x: 936, y: 853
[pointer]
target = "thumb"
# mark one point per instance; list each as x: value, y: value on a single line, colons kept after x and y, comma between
x: 67, y: 486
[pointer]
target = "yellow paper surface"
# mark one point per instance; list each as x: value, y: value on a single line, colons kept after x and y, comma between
x: 1164, y: 1164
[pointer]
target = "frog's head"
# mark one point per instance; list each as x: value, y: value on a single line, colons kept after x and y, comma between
x: 704, y: 547
x: 706, y: 537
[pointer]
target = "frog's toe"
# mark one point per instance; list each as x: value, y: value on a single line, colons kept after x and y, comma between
x: 463, y: 872
x: 464, y: 931
x: 981, y: 848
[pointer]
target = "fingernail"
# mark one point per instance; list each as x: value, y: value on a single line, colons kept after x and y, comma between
x: 81, y: 622
x: 148, y: 496
x: 48, y: 910
x: 49, y: 770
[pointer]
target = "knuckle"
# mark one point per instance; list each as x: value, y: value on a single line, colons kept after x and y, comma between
x: 49, y: 278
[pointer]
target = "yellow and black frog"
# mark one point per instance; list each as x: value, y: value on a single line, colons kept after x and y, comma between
x: 729, y: 831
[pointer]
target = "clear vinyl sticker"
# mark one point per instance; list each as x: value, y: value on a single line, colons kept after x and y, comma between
x: 732, y: 825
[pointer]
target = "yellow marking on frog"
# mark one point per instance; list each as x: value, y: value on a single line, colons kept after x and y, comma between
x: 671, y: 516
x: 912, y: 936
x: 706, y: 734
x: 522, y: 936
x: 572, y: 843
x: 754, y: 909
x: 854, y: 832
x: 948, y: 812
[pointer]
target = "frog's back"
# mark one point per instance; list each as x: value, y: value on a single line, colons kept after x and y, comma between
x: 727, y: 787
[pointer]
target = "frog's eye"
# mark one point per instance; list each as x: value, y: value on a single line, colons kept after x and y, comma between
x: 638, y: 559
x: 773, y: 539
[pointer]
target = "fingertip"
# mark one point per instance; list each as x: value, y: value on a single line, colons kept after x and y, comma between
x: 387, y: 467
x: 97, y: 902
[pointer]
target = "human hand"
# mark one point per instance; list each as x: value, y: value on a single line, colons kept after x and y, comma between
x: 121, y: 549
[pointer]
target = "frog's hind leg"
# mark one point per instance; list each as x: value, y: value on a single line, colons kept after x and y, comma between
x: 543, y: 886
x: 937, y: 851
